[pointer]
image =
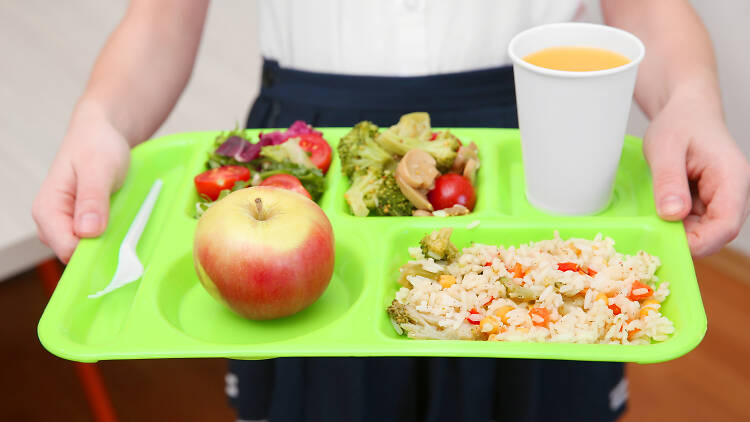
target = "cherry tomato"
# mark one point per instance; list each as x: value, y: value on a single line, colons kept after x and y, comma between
x: 320, y: 151
x: 286, y: 181
x: 210, y: 183
x: 452, y: 189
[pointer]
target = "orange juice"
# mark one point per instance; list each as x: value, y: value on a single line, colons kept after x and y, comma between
x: 576, y: 59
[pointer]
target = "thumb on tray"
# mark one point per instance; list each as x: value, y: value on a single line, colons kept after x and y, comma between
x: 94, y: 183
x: 671, y: 190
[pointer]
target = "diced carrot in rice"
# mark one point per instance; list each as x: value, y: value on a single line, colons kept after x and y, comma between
x: 489, y: 324
x: 648, y: 307
x: 502, y: 313
x: 540, y: 316
x: 446, y: 280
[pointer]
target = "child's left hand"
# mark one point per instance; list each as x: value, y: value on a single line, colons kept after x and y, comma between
x: 699, y: 173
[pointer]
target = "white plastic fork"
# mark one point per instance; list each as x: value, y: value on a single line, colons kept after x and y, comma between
x: 129, y: 267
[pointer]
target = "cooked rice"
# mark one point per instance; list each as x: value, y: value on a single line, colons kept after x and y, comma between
x: 572, y: 300
x: 473, y: 224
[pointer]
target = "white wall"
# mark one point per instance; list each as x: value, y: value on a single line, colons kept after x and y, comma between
x: 49, y: 47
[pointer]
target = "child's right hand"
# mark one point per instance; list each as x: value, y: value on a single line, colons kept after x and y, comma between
x: 73, y: 201
x: 136, y: 81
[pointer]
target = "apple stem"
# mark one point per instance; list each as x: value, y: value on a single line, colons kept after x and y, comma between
x: 259, y: 204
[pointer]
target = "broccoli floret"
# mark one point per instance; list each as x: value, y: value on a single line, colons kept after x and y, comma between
x: 438, y: 245
x: 377, y: 193
x: 389, y: 198
x: 398, y: 313
x: 361, y: 194
x: 358, y: 150
x: 288, y: 151
x: 443, y: 148
x: 414, y: 125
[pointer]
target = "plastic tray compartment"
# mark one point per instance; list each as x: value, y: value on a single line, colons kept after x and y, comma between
x: 167, y: 314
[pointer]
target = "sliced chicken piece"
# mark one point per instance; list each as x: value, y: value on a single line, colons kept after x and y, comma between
x: 418, y: 169
x: 464, y: 154
x: 457, y: 209
x: 416, y: 197
x: 470, y: 170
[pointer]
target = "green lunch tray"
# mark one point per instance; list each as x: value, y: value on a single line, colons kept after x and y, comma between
x: 168, y: 314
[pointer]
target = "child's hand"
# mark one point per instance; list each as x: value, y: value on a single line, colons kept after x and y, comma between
x: 73, y: 201
x: 700, y: 175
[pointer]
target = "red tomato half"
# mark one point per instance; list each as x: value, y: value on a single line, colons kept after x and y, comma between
x: 452, y: 189
x: 286, y: 181
x: 211, y: 182
x: 320, y: 151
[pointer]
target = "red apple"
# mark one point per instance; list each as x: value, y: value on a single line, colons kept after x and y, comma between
x: 264, y: 252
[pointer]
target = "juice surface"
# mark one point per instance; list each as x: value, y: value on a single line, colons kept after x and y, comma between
x: 576, y: 59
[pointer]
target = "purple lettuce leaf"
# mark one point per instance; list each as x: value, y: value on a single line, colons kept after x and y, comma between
x: 272, y: 138
x: 249, y: 153
x: 300, y: 128
x: 238, y: 148
x: 231, y: 146
x: 296, y: 129
x: 244, y: 151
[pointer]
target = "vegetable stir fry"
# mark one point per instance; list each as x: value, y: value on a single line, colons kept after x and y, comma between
x: 408, y: 169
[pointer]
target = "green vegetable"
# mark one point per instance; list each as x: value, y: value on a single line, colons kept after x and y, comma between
x: 413, y: 131
x: 413, y: 125
x: 437, y: 245
x: 205, y: 203
x: 359, y: 151
x: 361, y: 194
x: 216, y: 160
x: 287, y: 151
x: 376, y: 192
x: 389, y: 198
x: 414, y: 268
x: 399, y: 314
x: 311, y: 177
x: 443, y: 148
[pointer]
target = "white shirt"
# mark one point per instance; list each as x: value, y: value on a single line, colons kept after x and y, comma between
x: 399, y: 37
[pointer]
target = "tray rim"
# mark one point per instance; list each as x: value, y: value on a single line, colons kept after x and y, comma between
x: 57, y: 343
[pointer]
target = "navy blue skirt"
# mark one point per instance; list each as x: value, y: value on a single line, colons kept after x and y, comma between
x: 399, y: 388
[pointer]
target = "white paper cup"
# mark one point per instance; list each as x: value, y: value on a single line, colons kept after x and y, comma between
x: 572, y: 123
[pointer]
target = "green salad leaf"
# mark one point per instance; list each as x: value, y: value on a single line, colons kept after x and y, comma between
x: 204, y: 203
x: 311, y: 177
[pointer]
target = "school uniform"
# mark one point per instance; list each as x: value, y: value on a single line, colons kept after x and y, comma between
x: 326, y: 63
